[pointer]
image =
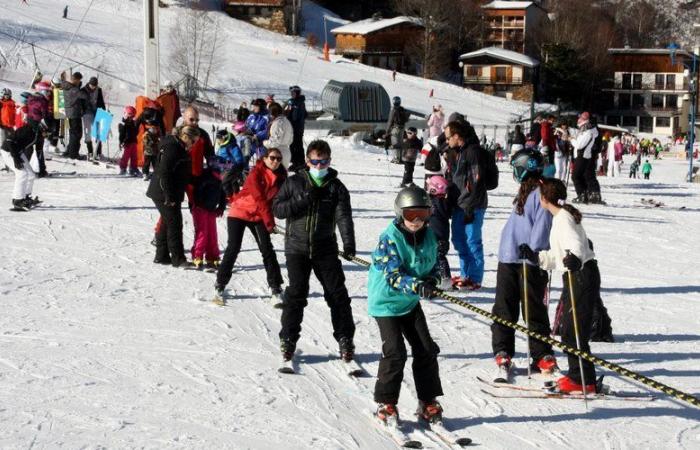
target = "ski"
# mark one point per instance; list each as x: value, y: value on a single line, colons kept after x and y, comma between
x: 62, y: 174
x: 562, y: 396
x: 19, y: 209
x: 447, y: 436
x: 393, y: 429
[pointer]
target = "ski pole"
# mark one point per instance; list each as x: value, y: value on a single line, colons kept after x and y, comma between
x: 578, y: 339
x: 526, y: 312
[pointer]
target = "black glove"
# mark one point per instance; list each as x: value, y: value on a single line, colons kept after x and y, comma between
x: 348, y: 253
x: 572, y: 263
x: 525, y: 252
x: 19, y: 164
x: 590, y: 244
x: 426, y: 289
x: 468, y: 217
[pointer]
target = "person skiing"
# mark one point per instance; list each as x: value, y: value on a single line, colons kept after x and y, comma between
x: 411, y: 147
x: 208, y: 203
x: 296, y: 114
x: 562, y: 151
x: 442, y: 196
x: 525, y: 233
x: 37, y: 111
x: 8, y: 109
x: 169, y: 101
x: 228, y: 159
x: 436, y: 121
x: 548, y: 145
x: 404, y: 269
x: 313, y: 202
x: 95, y: 101
x: 281, y: 133
x: 570, y: 251
x: 167, y: 190
x: 584, y: 160
x: 518, y: 142
x: 128, y: 133
x: 634, y: 166
x: 16, y: 153
x: 150, y: 123
x: 398, y: 117
x: 75, y: 100
x: 252, y: 208
x: 467, y: 174
x: 245, y: 143
x: 257, y: 126
x: 646, y: 169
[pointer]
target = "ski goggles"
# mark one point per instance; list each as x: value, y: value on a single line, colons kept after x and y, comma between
x: 321, y: 162
x: 415, y: 214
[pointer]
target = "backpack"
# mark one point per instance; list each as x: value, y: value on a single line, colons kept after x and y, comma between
x: 487, y: 161
x: 432, y: 161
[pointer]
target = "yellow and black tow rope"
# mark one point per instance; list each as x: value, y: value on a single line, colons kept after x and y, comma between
x: 668, y: 390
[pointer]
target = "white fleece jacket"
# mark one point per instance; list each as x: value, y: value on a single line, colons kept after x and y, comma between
x: 565, y: 235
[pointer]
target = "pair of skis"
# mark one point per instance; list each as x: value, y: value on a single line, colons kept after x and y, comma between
x: 393, y: 428
x: 352, y: 368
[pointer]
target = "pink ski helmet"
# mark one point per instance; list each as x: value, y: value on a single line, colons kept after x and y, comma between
x: 437, y: 185
x: 239, y: 127
x: 129, y: 111
x: 42, y: 86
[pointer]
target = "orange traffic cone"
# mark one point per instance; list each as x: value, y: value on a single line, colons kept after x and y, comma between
x: 326, y: 52
x: 432, y: 91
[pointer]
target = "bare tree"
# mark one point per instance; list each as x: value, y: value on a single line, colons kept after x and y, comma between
x: 194, y: 41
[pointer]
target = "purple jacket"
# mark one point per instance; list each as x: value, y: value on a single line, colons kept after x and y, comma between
x: 532, y: 228
x: 37, y: 107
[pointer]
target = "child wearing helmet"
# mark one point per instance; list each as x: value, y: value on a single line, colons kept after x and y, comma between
x: 442, y: 204
x: 229, y: 162
x: 404, y: 269
x: 411, y: 147
x: 7, y: 114
x: 128, y: 133
x: 525, y: 234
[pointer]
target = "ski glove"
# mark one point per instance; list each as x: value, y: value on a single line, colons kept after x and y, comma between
x: 19, y: 164
x: 348, y: 253
x: 525, y: 252
x: 426, y: 289
x: 572, y: 262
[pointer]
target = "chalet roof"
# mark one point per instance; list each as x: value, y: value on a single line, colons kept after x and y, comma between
x: 645, y: 51
x: 509, y: 5
x: 372, y: 25
x: 502, y: 54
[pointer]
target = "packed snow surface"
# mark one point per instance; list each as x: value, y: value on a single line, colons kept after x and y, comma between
x: 103, y: 348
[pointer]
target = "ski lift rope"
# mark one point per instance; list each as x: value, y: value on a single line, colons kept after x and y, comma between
x: 71, y: 38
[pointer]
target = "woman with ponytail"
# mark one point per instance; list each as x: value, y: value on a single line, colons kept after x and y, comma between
x: 525, y: 234
x: 570, y: 251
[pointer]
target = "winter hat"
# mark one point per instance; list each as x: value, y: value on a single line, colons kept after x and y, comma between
x: 412, y: 130
x: 93, y: 81
x: 456, y: 117
x: 42, y: 87
x: 239, y: 127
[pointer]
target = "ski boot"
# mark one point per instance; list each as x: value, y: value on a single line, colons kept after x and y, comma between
x: 430, y: 411
x: 198, y: 263
x: 31, y: 202
x: 212, y: 264
x: 387, y: 413
x: 287, y: 347
x: 446, y: 284
x: 346, y: 348
x: 277, y: 296
x: 122, y: 172
x: 546, y: 365
x: 596, y: 199
x: 19, y: 205
x: 583, y: 198
x: 504, y: 367
x: 566, y: 385
x: 135, y: 173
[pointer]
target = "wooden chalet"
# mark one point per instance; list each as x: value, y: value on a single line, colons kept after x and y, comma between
x: 500, y: 72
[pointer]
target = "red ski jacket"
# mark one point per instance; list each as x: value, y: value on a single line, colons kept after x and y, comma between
x: 254, y: 202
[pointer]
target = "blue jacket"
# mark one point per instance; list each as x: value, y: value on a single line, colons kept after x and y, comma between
x: 229, y: 153
x: 532, y: 228
x: 397, y: 268
x: 257, y: 124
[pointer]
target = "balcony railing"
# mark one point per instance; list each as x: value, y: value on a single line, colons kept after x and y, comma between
x: 489, y: 80
x: 650, y: 86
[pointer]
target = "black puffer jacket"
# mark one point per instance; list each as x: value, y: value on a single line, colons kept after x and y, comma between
x: 311, y: 223
x: 173, y: 172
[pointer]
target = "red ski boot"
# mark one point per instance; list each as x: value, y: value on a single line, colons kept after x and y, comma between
x: 430, y: 411
x: 566, y: 385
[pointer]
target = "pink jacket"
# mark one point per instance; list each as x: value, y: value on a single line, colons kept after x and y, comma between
x: 435, y: 123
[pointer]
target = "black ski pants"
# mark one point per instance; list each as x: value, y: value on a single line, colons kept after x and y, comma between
x: 148, y: 162
x: 586, y: 293
x: 329, y: 272
x: 169, y: 234
x: 297, y: 148
x: 408, y: 172
x: 236, y: 229
x: 509, y: 293
x: 75, y: 133
x: 578, y: 176
x: 424, y: 350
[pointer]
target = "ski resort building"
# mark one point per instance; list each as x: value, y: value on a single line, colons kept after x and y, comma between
x: 510, y: 25
x: 500, y: 72
x: 380, y: 42
x: 649, y: 94
x: 276, y: 15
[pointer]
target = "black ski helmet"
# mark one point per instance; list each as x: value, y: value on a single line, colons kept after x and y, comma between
x: 396, y: 100
x: 411, y: 197
x: 525, y: 163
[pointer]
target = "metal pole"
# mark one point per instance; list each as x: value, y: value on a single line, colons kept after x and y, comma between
x: 325, y: 31
x: 526, y: 313
x: 578, y: 340
x: 693, y: 108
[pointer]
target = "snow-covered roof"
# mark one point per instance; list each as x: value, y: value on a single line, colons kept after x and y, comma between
x: 500, y: 53
x: 646, y: 51
x: 509, y: 5
x: 368, y: 26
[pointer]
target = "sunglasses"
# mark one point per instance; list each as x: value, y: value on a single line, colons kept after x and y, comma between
x: 416, y: 214
x: 274, y: 158
x: 322, y: 162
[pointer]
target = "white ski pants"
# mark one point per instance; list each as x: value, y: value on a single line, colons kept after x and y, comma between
x: 560, y: 161
x: 24, y: 177
x: 614, y: 168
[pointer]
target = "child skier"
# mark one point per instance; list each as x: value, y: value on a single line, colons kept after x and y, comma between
x: 153, y: 130
x: 229, y: 162
x: 570, y: 251
x: 128, y: 132
x: 16, y: 153
x: 525, y: 233
x: 646, y: 169
x: 209, y: 203
x: 404, y: 269
x: 313, y: 201
x: 633, y: 169
x: 440, y: 213
x: 411, y: 147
